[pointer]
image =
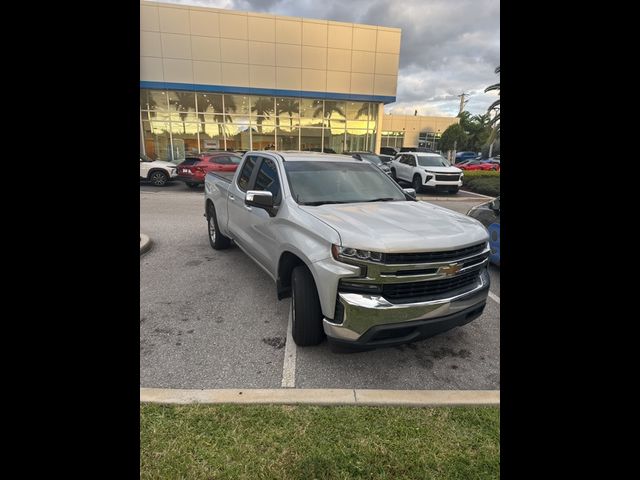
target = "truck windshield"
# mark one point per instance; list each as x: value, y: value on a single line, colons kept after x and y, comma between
x: 317, y: 183
x: 432, y: 161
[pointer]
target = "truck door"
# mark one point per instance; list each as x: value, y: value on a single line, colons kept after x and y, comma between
x: 238, y: 211
x: 262, y: 228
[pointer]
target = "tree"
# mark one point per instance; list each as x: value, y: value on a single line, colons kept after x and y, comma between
x: 329, y: 109
x: 183, y: 102
x: 454, y: 133
x: 495, y: 108
x: 291, y: 107
x: 478, y: 131
x: 263, y: 107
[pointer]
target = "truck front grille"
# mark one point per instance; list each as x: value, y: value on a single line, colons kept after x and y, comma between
x: 428, y: 257
x: 419, y: 291
x: 448, y: 178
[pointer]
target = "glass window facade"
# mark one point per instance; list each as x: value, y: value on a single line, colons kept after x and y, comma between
x: 175, y: 124
x: 392, y: 139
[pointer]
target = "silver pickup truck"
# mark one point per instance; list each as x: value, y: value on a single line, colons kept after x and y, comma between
x: 363, y: 261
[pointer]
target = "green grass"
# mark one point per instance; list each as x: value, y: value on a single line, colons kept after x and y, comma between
x: 484, y: 182
x: 308, y: 442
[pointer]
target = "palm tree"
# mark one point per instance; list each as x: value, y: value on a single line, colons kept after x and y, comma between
x: 262, y: 107
x: 148, y: 103
x: 329, y: 109
x: 186, y: 100
x: 291, y: 107
x: 363, y: 111
x: 495, y: 107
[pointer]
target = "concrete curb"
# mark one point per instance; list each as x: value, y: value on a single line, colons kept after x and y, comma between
x: 478, y: 194
x: 312, y: 396
x: 145, y: 243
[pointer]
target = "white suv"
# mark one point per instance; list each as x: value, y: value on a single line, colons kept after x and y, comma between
x: 426, y: 170
x: 158, y: 172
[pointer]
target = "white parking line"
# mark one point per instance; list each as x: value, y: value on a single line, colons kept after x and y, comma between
x: 494, y: 297
x: 289, y: 365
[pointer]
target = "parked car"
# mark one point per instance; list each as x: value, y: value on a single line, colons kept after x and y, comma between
x: 416, y: 149
x: 426, y: 170
x: 158, y: 172
x: 462, y: 156
x: 193, y: 169
x: 479, y: 165
x: 489, y: 215
x: 378, y: 160
x: 363, y: 261
x: 391, y: 151
x: 318, y: 149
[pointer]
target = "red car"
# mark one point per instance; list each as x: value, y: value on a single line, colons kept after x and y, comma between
x: 480, y: 165
x: 193, y: 169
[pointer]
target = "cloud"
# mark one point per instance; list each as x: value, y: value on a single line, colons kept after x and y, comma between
x: 448, y: 46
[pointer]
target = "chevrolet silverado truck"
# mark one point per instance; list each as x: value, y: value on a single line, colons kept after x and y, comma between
x: 364, y: 262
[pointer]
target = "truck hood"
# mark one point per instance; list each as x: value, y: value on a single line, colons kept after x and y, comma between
x: 399, y: 226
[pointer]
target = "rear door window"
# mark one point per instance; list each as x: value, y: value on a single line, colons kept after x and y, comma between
x: 190, y: 161
x: 246, y: 172
x: 267, y: 179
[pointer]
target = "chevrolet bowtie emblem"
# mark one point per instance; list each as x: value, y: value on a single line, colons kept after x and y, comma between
x: 450, y: 269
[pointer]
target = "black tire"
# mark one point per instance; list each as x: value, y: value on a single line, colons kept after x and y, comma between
x: 393, y: 174
x: 217, y: 240
x: 306, y: 314
x: 193, y: 185
x: 454, y: 190
x: 158, y: 178
x: 417, y: 183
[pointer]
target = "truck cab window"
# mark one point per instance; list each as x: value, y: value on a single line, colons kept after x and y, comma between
x: 245, y: 174
x: 267, y: 179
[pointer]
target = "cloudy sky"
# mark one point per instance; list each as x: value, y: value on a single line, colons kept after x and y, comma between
x: 448, y: 46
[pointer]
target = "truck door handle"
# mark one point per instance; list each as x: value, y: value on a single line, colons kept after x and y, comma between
x: 231, y: 197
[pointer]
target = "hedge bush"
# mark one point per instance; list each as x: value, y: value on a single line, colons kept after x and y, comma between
x: 484, y: 182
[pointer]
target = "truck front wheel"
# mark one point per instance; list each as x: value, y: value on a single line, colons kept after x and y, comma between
x: 306, y: 314
x: 216, y: 239
x: 417, y: 183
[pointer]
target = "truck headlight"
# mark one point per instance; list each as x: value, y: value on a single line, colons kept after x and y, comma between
x: 348, y: 253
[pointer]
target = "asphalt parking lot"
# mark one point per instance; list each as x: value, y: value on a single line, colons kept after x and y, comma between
x: 211, y: 319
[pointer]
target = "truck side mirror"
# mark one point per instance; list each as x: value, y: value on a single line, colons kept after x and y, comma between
x: 411, y: 192
x: 260, y: 199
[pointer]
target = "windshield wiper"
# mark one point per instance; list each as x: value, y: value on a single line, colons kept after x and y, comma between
x: 321, y: 202
x: 383, y: 199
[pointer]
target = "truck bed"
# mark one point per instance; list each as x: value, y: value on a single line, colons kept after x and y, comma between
x: 225, y: 176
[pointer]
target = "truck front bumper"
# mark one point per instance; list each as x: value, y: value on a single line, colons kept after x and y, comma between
x: 371, y: 321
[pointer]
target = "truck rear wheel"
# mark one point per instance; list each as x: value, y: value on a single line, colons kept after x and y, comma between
x: 306, y: 314
x: 216, y: 239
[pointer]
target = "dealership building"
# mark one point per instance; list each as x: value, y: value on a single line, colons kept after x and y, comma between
x: 212, y: 78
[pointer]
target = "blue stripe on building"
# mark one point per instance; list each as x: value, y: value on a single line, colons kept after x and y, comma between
x: 273, y: 92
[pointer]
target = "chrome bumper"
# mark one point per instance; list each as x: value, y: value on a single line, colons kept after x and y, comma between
x: 362, y: 312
